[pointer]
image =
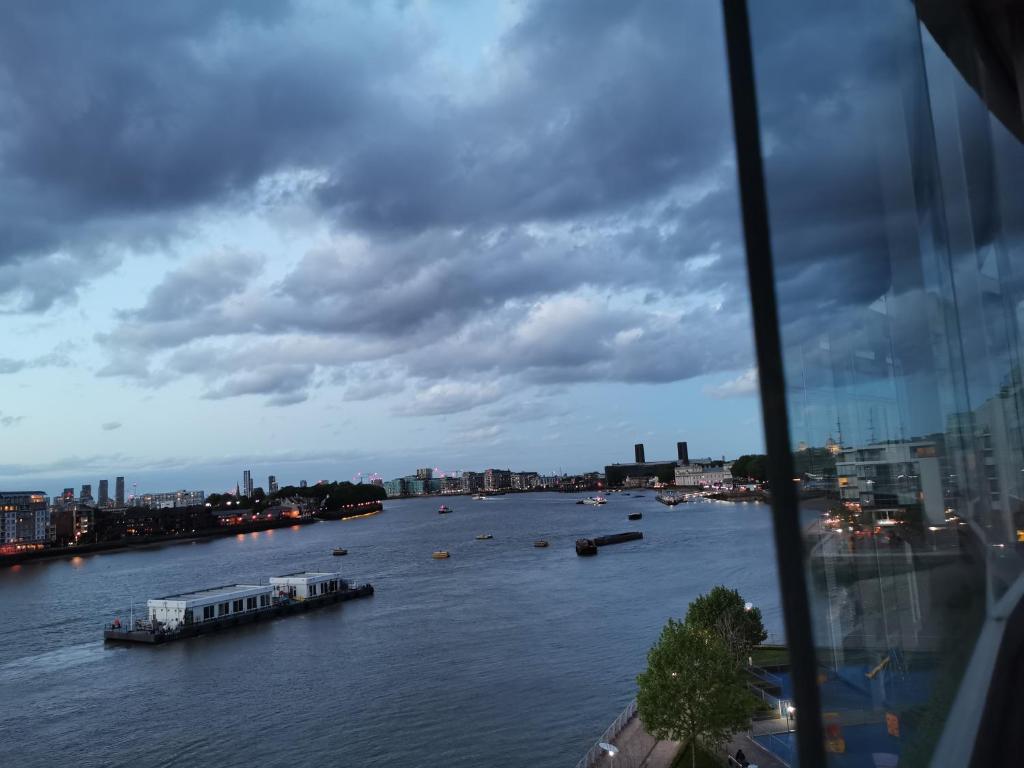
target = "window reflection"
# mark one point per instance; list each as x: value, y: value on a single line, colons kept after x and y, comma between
x: 895, y: 221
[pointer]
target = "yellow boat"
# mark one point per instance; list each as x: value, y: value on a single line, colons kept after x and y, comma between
x: 441, y: 554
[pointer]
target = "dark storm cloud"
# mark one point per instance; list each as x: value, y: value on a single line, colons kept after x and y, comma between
x: 117, y: 118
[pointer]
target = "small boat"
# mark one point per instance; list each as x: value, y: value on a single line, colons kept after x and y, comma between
x: 484, y: 536
x: 636, y: 515
x: 339, y: 551
x: 444, y: 509
x: 540, y: 543
x: 441, y: 554
x: 479, y: 497
x: 595, y: 501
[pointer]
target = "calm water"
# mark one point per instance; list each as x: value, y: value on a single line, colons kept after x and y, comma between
x: 503, y: 655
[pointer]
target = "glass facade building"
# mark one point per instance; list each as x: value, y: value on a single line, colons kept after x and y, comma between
x: 882, y: 178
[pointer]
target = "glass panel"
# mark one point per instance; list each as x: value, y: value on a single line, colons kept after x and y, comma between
x: 890, y: 192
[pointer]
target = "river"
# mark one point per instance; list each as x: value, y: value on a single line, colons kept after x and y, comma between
x: 503, y: 655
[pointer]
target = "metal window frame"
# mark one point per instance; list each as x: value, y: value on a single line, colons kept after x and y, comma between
x: 790, y: 553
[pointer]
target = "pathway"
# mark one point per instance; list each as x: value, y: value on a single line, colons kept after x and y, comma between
x: 638, y: 749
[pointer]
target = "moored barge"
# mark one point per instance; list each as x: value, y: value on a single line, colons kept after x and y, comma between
x: 206, y: 611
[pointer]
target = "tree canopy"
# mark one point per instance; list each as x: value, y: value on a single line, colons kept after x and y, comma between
x: 750, y: 465
x: 333, y: 496
x: 723, y: 612
x: 692, y: 689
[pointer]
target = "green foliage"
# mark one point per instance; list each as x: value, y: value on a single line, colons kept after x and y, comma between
x: 692, y: 689
x: 750, y: 466
x: 333, y: 496
x: 723, y: 612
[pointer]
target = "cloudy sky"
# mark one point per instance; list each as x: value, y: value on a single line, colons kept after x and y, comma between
x: 318, y: 239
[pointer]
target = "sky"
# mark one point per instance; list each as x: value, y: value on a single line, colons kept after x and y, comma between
x: 320, y: 240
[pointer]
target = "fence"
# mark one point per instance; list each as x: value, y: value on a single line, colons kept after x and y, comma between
x: 595, y: 752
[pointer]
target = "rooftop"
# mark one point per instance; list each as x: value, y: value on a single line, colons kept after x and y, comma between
x: 306, y: 574
x: 227, y: 589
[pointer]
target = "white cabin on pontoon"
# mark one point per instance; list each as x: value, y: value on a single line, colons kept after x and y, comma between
x: 306, y: 584
x: 174, y: 611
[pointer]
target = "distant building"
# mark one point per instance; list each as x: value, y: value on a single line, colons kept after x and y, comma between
x: 303, y: 484
x: 639, y: 474
x: 104, y: 497
x: 169, y: 499
x: 378, y: 481
x: 451, y: 485
x: 272, y: 484
x: 24, y: 519
x: 247, y: 483
x: 642, y: 472
x: 86, y: 496
x: 394, y: 488
x: 472, y: 482
x: 497, y: 479
x: 703, y: 475
x: 424, y: 474
x: 119, y: 492
x: 524, y: 481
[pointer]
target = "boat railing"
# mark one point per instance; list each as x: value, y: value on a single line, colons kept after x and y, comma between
x: 610, y: 733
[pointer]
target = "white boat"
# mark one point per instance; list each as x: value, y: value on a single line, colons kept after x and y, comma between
x: 479, y: 497
x: 595, y: 501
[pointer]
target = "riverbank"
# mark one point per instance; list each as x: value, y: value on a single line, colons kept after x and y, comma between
x: 147, y: 542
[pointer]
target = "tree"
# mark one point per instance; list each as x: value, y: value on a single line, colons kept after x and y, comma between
x: 692, y: 689
x: 723, y: 612
x: 751, y: 466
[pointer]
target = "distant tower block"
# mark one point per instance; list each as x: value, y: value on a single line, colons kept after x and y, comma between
x: 638, y: 452
x: 684, y: 453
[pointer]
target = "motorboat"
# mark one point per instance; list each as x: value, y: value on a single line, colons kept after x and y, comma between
x: 479, y: 497
x: 484, y: 536
x: 444, y: 509
x: 636, y: 515
x: 441, y: 554
x: 595, y: 501
x: 339, y: 551
x: 540, y: 543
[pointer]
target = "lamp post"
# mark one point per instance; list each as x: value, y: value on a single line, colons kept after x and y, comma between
x: 790, y: 714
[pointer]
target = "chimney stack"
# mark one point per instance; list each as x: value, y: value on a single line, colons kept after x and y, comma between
x: 684, y: 453
x: 638, y: 450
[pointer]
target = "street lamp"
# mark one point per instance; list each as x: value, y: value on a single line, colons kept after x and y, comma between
x: 610, y: 749
x: 790, y: 714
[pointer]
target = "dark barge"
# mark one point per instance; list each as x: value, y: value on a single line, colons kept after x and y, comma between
x: 148, y: 632
x: 585, y: 547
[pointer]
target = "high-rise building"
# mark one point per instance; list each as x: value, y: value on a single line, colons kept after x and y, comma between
x: 86, y: 495
x: 272, y: 484
x: 426, y: 473
x: 104, y: 497
x: 303, y: 484
x: 119, y: 492
x: 638, y: 453
x: 24, y: 518
x: 247, y: 483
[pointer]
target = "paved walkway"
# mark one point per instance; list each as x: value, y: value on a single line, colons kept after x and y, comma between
x: 638, y: 749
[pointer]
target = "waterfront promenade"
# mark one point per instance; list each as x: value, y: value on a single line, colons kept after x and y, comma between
x: 639, y: 749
